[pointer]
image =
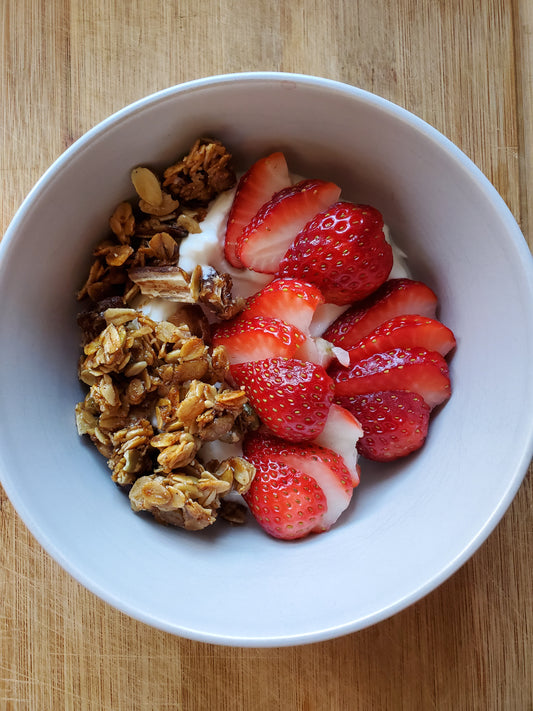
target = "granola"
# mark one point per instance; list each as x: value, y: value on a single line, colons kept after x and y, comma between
x: 147, y: 233
x: 205, y: 172
x: 157, y: 391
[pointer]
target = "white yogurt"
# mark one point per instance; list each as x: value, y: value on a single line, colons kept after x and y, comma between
x: 399, y: 270
x: 207, y: 248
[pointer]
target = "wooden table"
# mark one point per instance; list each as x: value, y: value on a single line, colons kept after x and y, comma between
x: 463, y: 65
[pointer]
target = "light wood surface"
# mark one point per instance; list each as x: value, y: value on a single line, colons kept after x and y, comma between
x: 466, y: 66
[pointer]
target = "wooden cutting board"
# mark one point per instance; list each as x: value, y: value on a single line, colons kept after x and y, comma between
x: 463, y: 65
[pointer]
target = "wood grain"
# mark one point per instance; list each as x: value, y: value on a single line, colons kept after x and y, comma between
x: 463, y: 65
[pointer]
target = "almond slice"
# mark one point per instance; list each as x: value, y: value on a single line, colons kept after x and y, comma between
x: 147, y: 186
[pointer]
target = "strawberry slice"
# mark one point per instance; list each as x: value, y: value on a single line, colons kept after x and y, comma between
x: 414, y: 369
x: 267, y: 237
x: 343, y: 251
x: 341, y: 433
x: 405, y: 332
x: 395, y: 423
x: 290, y: 299
x: 397, y: 297
x: 286, y: 509
x: 257, y: 338
x: 266, y: 177
x: 292, y: 397
x: 297, y: 302
x: 286, y: 503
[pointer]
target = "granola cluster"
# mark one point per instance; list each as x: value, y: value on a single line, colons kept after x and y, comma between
x: 156, y: 394
x: 145, y: 235
x: 158, y: 391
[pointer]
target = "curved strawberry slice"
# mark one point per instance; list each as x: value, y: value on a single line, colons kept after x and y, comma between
x: 395, y: 423
x: 292, y: 397
x: 414, y: 369
x: 396, y: 297
x: 271, y: 232
x: 286, y: 503
x: 321, y: 464
x: 257, y: 338
x: 266, y: 177
x: 290, y: 299
x: 405, y: 332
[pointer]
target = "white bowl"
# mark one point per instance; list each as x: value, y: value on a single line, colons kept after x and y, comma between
x: 411, y: 524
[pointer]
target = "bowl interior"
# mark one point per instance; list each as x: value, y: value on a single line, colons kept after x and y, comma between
x: 411, y: 524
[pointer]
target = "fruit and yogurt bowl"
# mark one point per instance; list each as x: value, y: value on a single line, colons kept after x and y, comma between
x: 412, y: 521
x: 198, y: 395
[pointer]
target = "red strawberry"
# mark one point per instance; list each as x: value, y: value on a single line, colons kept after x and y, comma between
x: 292, y: 300
x: 395, y: 423
x: 397, y: 297
x: 405, y: 332
x: 257, y: 338
x: 265, y: 178
x: 343, y: 251
x: 292, y: 397
x: 415, y: 369
x: 286, y: 503
x: 282, y: 496
x: 267, y: 237
x: 296, y: 302
x: 341, y: 433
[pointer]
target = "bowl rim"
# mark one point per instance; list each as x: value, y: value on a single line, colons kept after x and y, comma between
x: 513, y: 230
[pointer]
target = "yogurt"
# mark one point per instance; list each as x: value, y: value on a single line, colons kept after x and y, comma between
x: 207, y: 248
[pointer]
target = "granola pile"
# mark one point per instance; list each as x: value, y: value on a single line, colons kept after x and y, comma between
x: 158, y: 390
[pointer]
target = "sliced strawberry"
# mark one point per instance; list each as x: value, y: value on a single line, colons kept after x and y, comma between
x: 291, y: 397
x: 395, y: 423
x: 286, y: 503
x: 343, y: 251
x: 292, y: 300
x: 296, y: 303
x: 405, y: 332
x: 341, y: 433
x: 397, y: 297
x: 322, y: 465
x: 267, y: 237
x: 257, y: 338
x: 265, y: 178
x: 414, y: 369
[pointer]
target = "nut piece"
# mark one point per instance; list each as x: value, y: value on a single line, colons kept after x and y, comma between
x: 147, y: 186
x: 170, y: 283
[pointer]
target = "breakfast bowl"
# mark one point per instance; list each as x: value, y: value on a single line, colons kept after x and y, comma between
x: 412, y: 522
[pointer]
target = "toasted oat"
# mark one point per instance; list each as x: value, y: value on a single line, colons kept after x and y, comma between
x: 188, y: 223
x: 130, y: 451
x: 165, y: 210
x: 122, y: 222
x: 164, y: 248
